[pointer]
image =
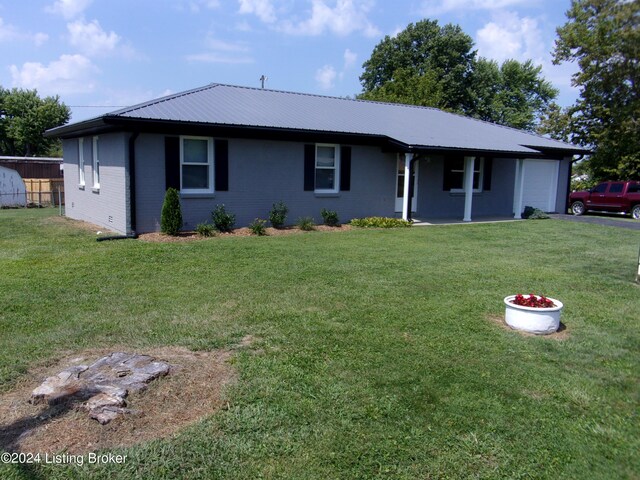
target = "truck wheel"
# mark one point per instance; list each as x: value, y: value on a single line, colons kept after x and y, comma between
x: 577, y: 208
x: 635, y: 212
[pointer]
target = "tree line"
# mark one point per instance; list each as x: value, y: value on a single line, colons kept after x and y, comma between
x: 436, y: 66
x: 24, y: 117
x: 431, y: 65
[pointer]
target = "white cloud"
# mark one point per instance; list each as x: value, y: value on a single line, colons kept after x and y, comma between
x: 431, y: 7
x: 215, y: 57
x: 263, y: 9
x: 326, y: 77
x: 509, y: 36
x: 349, y: 58
x: 40, y: 39
x: 346, y: 17
x: 243, y: 26
x: 222, y: 51
x: 7, y: 32
x: 194, y: 6
x: 223, y: 46
x: 91, y: 39
x: 68, y: 74
x: 10, y: 33
x: 68, y: 8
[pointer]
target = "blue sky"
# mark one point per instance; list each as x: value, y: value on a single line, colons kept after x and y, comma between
x: 108, y: 53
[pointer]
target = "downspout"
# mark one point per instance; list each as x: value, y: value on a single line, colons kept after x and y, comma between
x: 132, y: 181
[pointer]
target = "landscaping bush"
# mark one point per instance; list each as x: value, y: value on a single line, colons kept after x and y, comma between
x: 305, y: 223
x: 330, y: 217
x: 257, y: 227
x: 278, y: 214
x: 531, y: 213
x: 205, y: 230
x: 222, y: 220
x: 171, y: 215
x: 379, y: 222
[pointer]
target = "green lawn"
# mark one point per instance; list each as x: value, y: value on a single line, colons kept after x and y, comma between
x: 379, y: 358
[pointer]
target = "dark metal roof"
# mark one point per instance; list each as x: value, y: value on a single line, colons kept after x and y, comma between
x: 410, y: 126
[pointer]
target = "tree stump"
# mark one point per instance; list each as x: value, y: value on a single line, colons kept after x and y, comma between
x: 101, y: 388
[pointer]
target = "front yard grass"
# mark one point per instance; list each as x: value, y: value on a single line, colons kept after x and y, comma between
x: 377, y: 355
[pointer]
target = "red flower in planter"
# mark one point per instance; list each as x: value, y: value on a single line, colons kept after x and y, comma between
x: 533, y: 301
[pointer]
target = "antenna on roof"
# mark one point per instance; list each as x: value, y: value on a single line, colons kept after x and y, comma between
x: 262, y: 80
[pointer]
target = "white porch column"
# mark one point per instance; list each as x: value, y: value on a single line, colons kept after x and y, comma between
x: 518, y: 191
x: 406, y: 200
x: 469, y: 164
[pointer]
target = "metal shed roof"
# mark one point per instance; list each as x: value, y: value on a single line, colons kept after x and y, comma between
x: 414, y: 127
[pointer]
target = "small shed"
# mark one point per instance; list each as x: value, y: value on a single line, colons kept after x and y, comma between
x: 13, y: 192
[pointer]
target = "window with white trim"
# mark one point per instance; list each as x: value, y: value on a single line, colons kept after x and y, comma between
x: 81, y: 162
x: 327, y: 168
x: 96, y: 164
x: 196, y: 164
x: 456, y: 167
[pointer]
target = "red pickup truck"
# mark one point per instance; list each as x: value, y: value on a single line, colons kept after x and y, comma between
x: 620, y: 197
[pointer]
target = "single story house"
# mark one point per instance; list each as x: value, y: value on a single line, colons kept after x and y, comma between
x: 247, y: 148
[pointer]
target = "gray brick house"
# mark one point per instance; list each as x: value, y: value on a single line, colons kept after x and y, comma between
x: 248, y: 148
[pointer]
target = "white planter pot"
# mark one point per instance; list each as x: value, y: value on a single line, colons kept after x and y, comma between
x: 540, y: 321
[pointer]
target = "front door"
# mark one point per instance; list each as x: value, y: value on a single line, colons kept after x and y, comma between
x: 400, y: 184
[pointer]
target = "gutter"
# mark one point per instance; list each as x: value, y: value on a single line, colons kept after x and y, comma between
x: 132, y: 182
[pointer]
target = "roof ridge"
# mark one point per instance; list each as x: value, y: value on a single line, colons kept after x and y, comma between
x: 305, y: 94
x: 357, y: 100
x: 166, y: 98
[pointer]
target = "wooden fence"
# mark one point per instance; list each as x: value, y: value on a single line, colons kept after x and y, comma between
x: 44, y: 191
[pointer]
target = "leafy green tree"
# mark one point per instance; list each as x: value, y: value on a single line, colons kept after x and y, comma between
x: 438, y: 60
x: 556, y: 123
x: 513, y: 94
x: 435, y: 66
x: 24, y: 117
x: 603, y: 37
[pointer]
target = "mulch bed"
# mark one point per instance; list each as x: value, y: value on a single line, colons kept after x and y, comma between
x: 238, y: 232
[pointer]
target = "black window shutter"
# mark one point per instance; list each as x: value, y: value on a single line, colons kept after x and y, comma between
x: 486, y: 175
x: 309, y: 167
x: 172, y: 162
x: 221, y: 159
x: 447, y: 176
x: 345, y: 169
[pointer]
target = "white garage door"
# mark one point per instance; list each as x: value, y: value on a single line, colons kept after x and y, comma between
x: 540, y: 184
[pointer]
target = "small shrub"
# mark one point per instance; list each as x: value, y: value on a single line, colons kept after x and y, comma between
x: 257, y: 227
x: 305, y: 223
x: 171, y: 215
x: 379, y: 222
x: 278, y: 214
x: 330, y: 217
x: 205, y: 230
x: 532, y: 213
x: 222, y: 220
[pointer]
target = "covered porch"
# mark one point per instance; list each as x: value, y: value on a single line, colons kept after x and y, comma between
x: 461, y: 187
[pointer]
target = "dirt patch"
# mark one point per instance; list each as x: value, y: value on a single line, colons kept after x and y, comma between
x: 193, y: 389
x: 77, y: 224
x: 238, y: 232
x: 561, y: 334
